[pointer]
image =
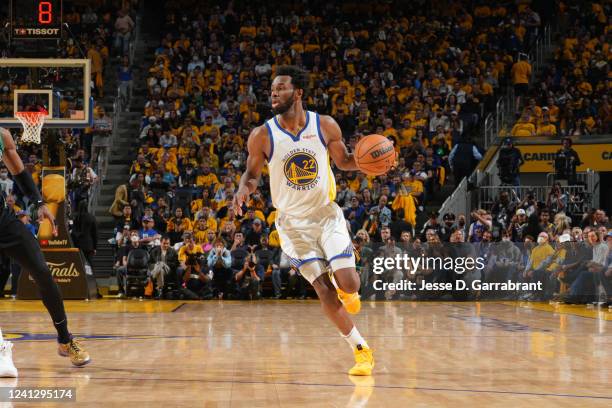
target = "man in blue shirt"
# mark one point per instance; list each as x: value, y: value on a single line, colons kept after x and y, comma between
x: 148, y: 236
x: 355, y: 214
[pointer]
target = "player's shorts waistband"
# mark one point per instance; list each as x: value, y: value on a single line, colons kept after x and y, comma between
x: 317, y: 212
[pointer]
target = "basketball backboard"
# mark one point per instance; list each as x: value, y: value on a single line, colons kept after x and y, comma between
x: 62, y: 87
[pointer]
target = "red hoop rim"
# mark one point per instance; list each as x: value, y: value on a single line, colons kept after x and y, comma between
x: 32, y: 117
x: 26, y: 114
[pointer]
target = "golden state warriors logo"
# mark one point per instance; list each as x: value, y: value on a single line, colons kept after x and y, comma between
x: 301, y: 170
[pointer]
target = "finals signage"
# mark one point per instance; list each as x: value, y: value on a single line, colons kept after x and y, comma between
x: 68, y: 271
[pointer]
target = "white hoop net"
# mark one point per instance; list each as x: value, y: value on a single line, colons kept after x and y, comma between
x: 32, y: 123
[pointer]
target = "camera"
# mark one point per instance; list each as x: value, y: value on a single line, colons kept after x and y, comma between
x: 193, y: 259
x: 252, y: 262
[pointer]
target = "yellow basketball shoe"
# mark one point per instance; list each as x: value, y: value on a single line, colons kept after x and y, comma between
x: 351, y: 301
x: 74, y: 350
x: 364, y: 361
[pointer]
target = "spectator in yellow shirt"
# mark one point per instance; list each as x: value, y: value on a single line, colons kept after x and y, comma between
x: 208, y: 128
x: 412, y: 186
x: 407, y: 133
x: 190, y: 248
x: 546, y: 128
x: 360, y: 182
x: 178, y: 224
x: 167, y: 166
x: 535, y: 112
x: 553, y: 110
x: 524, y: 127
x: 200, y: 232
x: 210, y: 222
x: 206, y: 178
x: 521, y: 72
x: 389, y: 130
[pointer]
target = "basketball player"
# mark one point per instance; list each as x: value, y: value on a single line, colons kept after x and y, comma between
x: 18, y: 243
x: 297, y: 145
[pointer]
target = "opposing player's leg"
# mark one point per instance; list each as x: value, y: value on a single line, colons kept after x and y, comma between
x: 27, y: 253
x: 7, y: 368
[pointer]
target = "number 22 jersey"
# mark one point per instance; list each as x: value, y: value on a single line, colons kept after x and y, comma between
x: 301, y: 179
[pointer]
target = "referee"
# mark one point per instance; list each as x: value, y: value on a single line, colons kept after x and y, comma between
x: 18, y: 243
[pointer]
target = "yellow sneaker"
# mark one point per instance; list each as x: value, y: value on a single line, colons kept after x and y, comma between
x: 74, y: 350
x: 351, y: 301
x: 364, y: 361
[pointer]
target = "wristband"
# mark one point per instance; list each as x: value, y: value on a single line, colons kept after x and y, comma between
x: 28, y: 188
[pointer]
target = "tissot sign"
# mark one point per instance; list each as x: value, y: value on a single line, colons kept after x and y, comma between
x: 37, y: 32
x: 36, y: 19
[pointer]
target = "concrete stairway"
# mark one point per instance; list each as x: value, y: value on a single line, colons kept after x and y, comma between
x: 123, y: 153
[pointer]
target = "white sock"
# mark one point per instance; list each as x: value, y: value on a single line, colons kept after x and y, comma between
x: 0, y: 335
x: 354, y: 339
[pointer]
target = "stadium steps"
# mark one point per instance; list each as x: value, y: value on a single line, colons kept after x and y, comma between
x: 122, y: 153
x: 104, y: 258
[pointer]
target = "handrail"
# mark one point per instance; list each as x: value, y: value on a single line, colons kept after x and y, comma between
x: 579, y: 198
x: 135, y: 38
x: 118, y: 106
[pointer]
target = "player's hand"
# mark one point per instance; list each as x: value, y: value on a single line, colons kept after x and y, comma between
x: 241, y: 197
x: 44, y: 213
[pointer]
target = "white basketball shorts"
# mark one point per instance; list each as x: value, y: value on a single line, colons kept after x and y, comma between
x: 316, y: 241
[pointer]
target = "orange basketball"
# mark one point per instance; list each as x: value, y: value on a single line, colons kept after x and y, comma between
x: 374, y: 155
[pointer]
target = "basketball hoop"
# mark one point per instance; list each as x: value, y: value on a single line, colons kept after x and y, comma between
x: 32, y: 123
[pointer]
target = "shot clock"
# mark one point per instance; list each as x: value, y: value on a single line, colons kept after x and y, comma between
x: 36, y: 19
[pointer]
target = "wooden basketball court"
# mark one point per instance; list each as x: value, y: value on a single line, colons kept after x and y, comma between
x: 286, y: 354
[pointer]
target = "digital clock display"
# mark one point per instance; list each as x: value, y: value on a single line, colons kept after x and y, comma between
x: 36, y: 19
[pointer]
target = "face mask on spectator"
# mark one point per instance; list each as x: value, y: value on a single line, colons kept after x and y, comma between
x: 134, y: 238
x: 3, y: 175
x: 541, y: 240
x: 506, y: 239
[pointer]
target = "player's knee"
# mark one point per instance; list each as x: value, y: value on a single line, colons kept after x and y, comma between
x: 44, y: 280
x: 348, y: 280
x: 352, y: 285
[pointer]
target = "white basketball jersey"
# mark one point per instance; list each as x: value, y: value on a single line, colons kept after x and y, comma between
x: 301, y: 179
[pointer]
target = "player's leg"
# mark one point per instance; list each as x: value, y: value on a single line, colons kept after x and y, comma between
x: 316, y: 273
x: 7, y: 368
x: 337, y: 245
x: 301, y: 240
x: 26, y: 252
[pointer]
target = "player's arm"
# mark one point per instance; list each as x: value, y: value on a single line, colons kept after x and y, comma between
x: 23, y: 178
x: 258, y: 147
x: 335, y: 145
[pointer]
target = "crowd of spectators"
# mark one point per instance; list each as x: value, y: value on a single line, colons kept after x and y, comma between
x: 571, y: 95
x: 553, y: 240
x: 97, y: 29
